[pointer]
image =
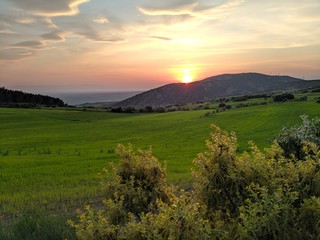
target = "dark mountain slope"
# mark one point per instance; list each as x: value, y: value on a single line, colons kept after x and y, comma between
x: 215, y: 87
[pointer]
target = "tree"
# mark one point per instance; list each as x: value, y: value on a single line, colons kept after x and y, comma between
x: 283, y: 97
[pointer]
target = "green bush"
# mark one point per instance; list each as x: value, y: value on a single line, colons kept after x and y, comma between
x: 35, y: 226
x: 283, y: 97
x: 132, y: 189
x: 218, y: 182
x: 253, y: 195
x: 292, y: 140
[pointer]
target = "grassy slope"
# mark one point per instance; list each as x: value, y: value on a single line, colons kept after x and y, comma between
x: 50, y: 158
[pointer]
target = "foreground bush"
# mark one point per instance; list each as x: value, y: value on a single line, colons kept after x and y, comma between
x: 256, y: 195
x: 293, y: 140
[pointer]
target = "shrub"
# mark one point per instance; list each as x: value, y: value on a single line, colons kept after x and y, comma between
x: 291, y: 140
x: 253, y: 195
x: 283, y: 97
x: 257, y: 195
x: 133, y: 188
x: 139, y: 179
x: 303, y: 98
x: 218, y: 182
x: 222, y: 105
x: 181, y: 218
x: 117, y: 110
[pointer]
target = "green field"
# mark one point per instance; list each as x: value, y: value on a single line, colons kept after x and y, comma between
x: 49, y: 159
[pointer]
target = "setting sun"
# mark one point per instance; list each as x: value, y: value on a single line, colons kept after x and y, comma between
x: 187, y: 76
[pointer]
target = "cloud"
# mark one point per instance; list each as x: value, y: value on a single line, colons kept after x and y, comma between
x: 101, y: 20
x: 161, y: 38
x: 194, y: 9
x: 15, y: 54
x: 48, y: 22
x: 175, y: 10
x: 56, y: 36
x: 29, y: 44
x: 100, y: 37
x: 217, y: 11
x: 24, y: 24
x: 50, y: 7
x: 25, y: 20
x: 4, y: 30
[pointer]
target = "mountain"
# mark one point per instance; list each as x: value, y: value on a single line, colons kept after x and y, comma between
x: 214, y: 87
x: 12, y: 98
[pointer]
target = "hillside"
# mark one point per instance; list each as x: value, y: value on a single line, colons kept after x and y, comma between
x: 50, y: 157
x: 215, y: 87
x: 12, y: 98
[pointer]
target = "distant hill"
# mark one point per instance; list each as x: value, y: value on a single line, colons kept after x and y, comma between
x: 215, y: 87
x: 78, y: 98
x: 97, y: 105
x: 12, y: 98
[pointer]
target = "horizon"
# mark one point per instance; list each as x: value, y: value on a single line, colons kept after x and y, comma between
x: 120, y: 91
x: 97, y: 46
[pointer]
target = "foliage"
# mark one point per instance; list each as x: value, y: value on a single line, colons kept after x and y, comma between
x: 11, y: 97
x: 256, y: 195
x: 219, y: 183
x: 283, y: 97
x: 133, y: 188
x: 138, y: 182
x: 181, y: 218
x: 292, y: 140
x: 268, y: 215
x: 35, y: 226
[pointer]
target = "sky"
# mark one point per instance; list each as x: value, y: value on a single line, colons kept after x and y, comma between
x: 123, y: 45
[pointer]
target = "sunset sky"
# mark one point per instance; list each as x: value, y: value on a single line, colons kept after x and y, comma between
x: 118, y: 45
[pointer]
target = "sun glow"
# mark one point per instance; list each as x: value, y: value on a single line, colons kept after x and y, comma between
x: 187, y: 76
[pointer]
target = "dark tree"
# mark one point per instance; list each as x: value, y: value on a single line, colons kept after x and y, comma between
x: 17, y: 98
x: 283, y: 97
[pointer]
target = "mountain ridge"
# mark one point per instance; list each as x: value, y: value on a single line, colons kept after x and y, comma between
x: 210, y: 88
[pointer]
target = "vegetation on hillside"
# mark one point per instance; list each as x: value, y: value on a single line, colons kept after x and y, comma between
x: 223, y: 103
x: 11, y: 98
x: 256, y: 195
x: 283, y: 97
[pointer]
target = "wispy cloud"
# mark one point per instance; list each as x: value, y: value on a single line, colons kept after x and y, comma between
x: 185, y: 8
x: 50, y: 7
x: 56, y: 36
x: 101, y: 20
x: 29, y: 44
x: 26, y: 20
x: 161, y: 38
x: 5, y: 30
x: 195, y: 9
x: 99, y: 36
x: 15, y: 54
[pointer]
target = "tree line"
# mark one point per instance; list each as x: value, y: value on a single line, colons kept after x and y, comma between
x: 22, y: 99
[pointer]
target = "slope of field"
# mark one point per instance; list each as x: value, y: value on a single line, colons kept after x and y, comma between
x: 50, y: 158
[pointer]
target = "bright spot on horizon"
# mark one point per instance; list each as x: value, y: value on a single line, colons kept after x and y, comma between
x: 187, y: 76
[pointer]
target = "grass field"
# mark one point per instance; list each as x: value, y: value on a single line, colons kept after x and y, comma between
x: 50, y: 158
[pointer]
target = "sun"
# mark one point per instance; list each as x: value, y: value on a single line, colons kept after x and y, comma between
x: 187, y: 77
